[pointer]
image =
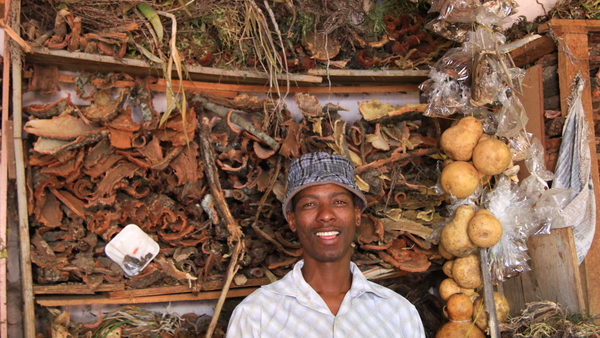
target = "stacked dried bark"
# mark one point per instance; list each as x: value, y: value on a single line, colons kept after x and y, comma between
x: 96, y: 168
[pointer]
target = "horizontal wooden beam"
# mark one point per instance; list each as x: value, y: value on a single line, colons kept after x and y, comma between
x: 70, y: 300
x: 570, y: 26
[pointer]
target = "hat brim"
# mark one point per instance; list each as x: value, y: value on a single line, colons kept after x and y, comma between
x: 287, y: 207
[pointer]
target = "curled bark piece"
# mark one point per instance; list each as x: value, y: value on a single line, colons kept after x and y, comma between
x: 237, y: 119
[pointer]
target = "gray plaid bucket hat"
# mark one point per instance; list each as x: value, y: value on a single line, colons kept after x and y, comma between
x: 320, y: 168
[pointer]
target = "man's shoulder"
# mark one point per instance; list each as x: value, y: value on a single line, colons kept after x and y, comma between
x: 274, y: 290
x: 388, y: 293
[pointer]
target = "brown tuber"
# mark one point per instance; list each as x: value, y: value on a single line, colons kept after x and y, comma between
x: 454, y: 237
x: 484, y: 229
x: 491, y: 156
x: 459, y: 307
x: 480, y: 316
x: 459, y: 179
x: 466, y: 271
x: 459, y: 140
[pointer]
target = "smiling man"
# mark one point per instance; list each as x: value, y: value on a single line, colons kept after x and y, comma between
x: 325, y: 295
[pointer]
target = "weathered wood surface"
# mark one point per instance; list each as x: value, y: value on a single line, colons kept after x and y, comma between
x: 63, y: 300
x: 573, y: 59
x: 77, y: 61
x: 376, y: 76
x: 532, y: 51
x: 81, y: 289
x: 554, y: 274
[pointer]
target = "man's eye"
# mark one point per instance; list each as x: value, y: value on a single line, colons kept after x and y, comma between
x: 340, y: 202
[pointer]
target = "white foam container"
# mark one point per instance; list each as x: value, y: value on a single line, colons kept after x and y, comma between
x: 134, y: 242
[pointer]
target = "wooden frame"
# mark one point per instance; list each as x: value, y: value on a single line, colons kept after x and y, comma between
x: 555, y: 275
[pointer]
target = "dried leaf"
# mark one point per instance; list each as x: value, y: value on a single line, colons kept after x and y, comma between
x: 149, y: 13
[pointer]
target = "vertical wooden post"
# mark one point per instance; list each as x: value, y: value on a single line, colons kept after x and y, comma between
x: 13, y: 18
x: 573, y: 59
x: 4, y: 189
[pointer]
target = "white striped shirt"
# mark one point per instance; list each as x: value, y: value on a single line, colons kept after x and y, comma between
x: 290, y: 307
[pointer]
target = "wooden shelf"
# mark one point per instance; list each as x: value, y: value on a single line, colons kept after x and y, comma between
x: 77, y: 61
x: 80, y: 294
x: 371, y: 76
x: 72, y: 300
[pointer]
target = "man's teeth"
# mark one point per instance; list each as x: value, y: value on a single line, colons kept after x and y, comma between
x: 327, y: 233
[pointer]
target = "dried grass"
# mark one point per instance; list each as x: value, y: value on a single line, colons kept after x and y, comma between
x: 547, y: 319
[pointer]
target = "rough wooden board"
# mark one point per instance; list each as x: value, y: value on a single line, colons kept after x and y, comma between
x: 573, y: 60
x: 232, y: 90
x: 532, y: 51
x: 75, y: 289
x: 103, y: 299
x: 77, y: 61
x: 377, y: 76
x: 207, y: 286
x: 571, y: 26
x: 554, y: 274
x: 532, y: 99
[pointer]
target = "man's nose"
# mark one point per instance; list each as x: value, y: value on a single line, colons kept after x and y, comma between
x: 326, y: 213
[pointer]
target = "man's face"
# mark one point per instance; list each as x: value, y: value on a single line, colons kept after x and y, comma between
x: 325, y: 218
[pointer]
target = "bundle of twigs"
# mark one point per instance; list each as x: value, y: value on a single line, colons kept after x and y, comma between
x: 548, y: 319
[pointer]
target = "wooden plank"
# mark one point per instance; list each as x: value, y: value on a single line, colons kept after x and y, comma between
x: 17, y: 114
x: 573, y: 59
x: 532, y: 51
x: 10, y: 161
x: 554, y: 274
x: 555, y: 269
x: 532, y: 99
x: 75, y: 289
x: 207, y: 286
x: 104, y: 299
x: 77, y: 61
x: 4, y: 153
x: 520, y: 289
x: 570, y: 26
x: 375, y: 76
x: 231, y: 90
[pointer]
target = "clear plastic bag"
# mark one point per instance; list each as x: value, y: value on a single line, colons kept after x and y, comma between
x: 448, y: 87
x: 519, y: 210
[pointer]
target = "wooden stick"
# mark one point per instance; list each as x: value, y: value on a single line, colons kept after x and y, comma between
x: 488, y: 294
x: 212, y: 176
x: 17, y: 100
x: 235, y: 118
x: 4, y: 185
x: 231, y: 271
x: 396, y: 156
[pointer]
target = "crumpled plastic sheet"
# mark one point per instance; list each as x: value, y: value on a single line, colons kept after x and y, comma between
x: 518, y: 208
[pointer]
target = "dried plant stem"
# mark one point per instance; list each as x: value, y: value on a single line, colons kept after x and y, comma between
x: 240, y: 121
x: 212, y: 175
x: 231, y: 271
x: 396, y: 156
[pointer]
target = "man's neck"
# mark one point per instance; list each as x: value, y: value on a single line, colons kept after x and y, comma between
x: 330, y: 280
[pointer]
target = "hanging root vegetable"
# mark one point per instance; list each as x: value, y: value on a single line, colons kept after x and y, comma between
x: 491, y: 156
x: 459, y: 179
x: 459, y: 307
x: 480, y: 316
x: 459, y: 140
x: 454, y: 238
x: 448, y: 287
x: 484, y: 229
x: 466, y: 272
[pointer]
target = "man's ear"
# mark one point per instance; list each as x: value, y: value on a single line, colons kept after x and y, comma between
x: 358, y: 214
x: 291, y: 220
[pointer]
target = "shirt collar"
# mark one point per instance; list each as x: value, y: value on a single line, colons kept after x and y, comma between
x: 294, y: 285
